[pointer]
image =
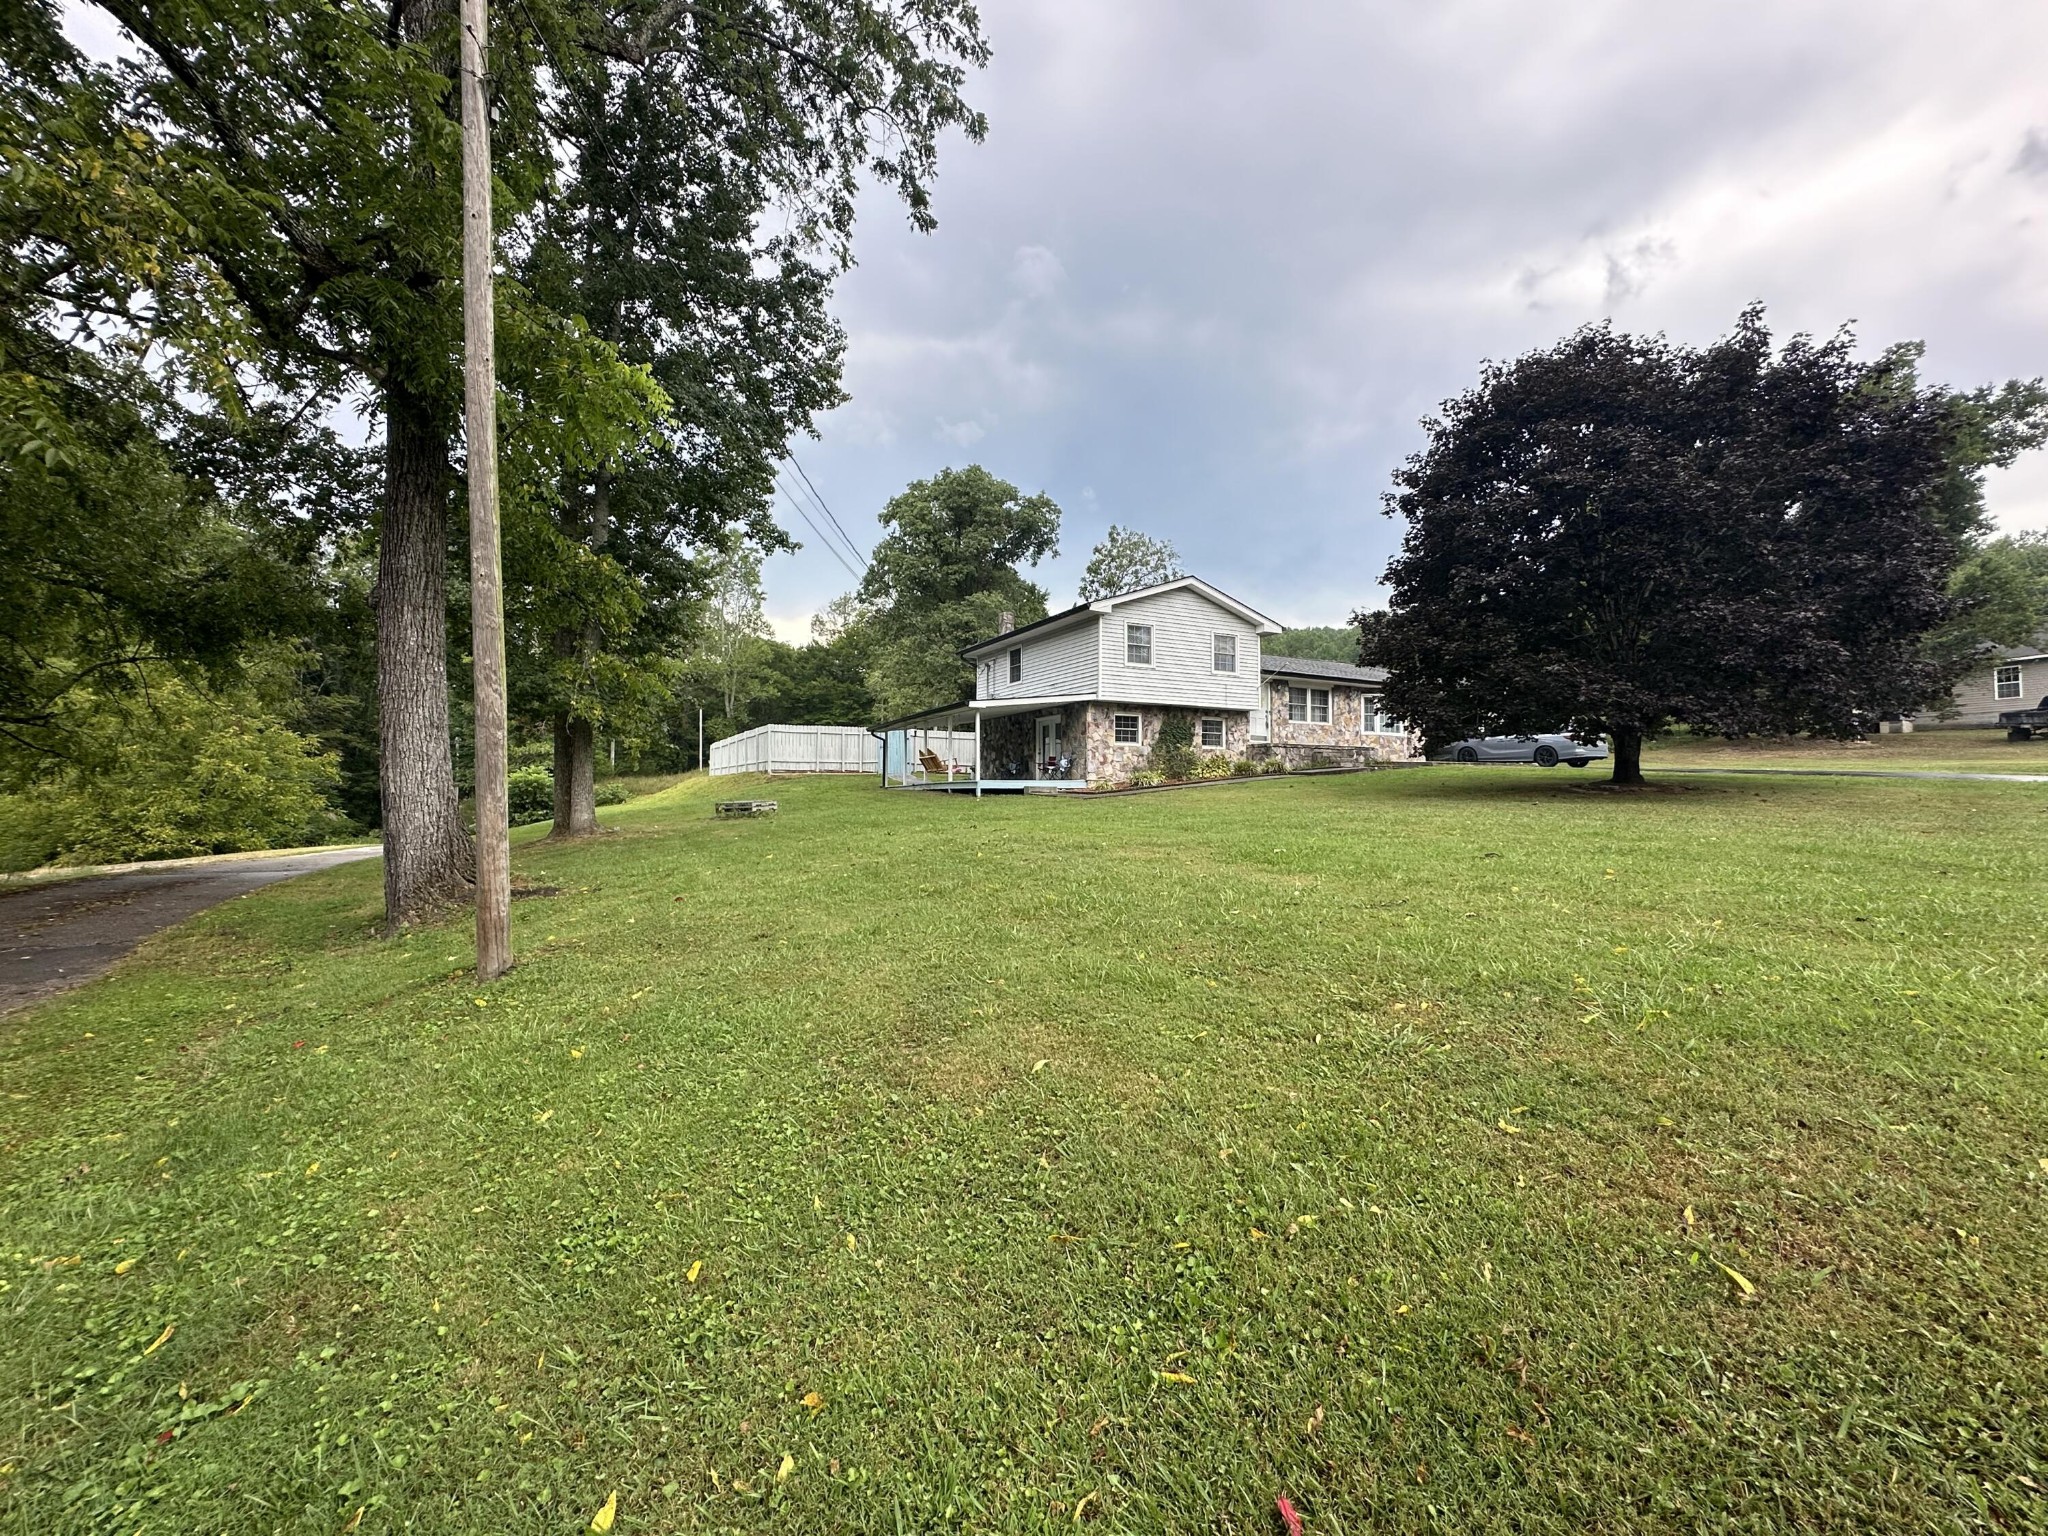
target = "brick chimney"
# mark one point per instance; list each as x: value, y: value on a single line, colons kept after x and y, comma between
x: 1005, y: 622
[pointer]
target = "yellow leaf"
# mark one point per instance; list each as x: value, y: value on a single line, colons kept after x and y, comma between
x: 1512, y: 1130
x: 1257, y: 1233
x: 1040, y: 1064
x: 124, y: 1266
x: 813, y: 1401
x: 311, y: 1169
x: 354, y: 1520
x: 162, y: 1339
x: 1742, y: 1281
x: 575, y: 1053
x: 852, y: 1242
x: 696, y: 1269
x: 602, y: 1520
x: 1180, y: 1376
x: 788, y: 1466
x: 544, y: 1117
x: 1691, y: 1220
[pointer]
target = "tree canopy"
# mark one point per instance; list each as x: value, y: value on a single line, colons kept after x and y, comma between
x: 1619, y: 531
x: 943, y: 576
x: 1126, y: 560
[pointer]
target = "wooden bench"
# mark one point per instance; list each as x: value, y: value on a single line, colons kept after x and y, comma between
x: 727, y: 808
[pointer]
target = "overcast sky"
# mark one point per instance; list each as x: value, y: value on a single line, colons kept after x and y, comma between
x: 1216, y: 260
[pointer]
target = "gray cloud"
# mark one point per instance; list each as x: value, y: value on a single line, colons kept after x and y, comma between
x: 1214, y: 262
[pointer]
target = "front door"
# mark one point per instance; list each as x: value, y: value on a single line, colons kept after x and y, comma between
x: 1048, y: 766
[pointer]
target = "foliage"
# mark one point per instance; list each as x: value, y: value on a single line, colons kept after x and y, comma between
x: 1328, y: 642
x: 942, y: 577
x: 1173, y: 754
x: 2000, y: 596
x: 728, y: 666
x: 1751, y: 973
x: 530, y: 795
x: 173, y: 772
x: 816, y: 684
x: 1126, y: 560
x: 1243, y: 768
x: 1619, y: 531
x: 1147, y: 778
x: 1213, y: 765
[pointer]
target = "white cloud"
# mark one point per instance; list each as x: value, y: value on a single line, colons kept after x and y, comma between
x: 1036, y: 271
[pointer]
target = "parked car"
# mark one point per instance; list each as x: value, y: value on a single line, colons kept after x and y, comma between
x: 2025, y: 724
x: 1545, y: 751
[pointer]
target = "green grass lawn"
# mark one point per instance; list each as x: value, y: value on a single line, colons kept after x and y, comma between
x: 908, y: 1163
x: 1970, y: 751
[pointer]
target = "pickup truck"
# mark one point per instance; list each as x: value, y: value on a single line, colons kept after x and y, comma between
x: 2023, y: 724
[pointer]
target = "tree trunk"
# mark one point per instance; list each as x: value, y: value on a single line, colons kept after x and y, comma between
x: 576, y: 739
x: 575, y: 777
x: 427, y: 855
x: 1628, y: 755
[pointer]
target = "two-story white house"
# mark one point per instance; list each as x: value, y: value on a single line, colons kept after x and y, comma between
x: 1078, y: 698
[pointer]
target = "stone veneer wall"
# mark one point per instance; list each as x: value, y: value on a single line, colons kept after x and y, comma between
x: 1344, y: 742
x: 1111, y: 761
x: 1009, y: 744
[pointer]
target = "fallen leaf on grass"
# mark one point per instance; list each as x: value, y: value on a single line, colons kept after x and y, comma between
x: 162, y: 1339
x: 1179, y: 1376
x: 602, y: 1520
x: 813, y: 1401
x: 124, y: 1266
x: 1512, y: 1130
x: 1041, y: 1064
x: 1289, y: 1519
x: 696, y: 1269
x: 1691, y: 1220
x: 354, y: 1520
x: 1743, y: 1284
x: 544, y: 1117
x: 788, y: 1466
x: 575, y: 1053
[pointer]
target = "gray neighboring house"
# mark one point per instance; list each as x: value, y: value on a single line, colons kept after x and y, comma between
x: 2011, y: 677
x: 1078, y: 698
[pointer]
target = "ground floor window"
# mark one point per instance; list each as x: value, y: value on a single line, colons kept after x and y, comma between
x: 1319, y: 706
x: 1125, y: 728
x: 1212, y: 733
x: 2005, y: 682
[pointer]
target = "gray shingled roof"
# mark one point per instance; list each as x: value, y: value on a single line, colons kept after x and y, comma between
x: 1309, y: 666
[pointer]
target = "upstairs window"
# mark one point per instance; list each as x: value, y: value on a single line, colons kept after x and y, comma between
x: 1138, y: 644
x: 1226, y: 653
x: 1212, y: 733
x: 2005, y: 682
x: 1126, y: 729
x: 1016, y: 663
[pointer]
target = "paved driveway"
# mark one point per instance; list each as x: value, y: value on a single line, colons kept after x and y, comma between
x: 58, y: 935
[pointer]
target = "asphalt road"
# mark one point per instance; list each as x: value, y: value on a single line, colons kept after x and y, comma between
x: 56, y: 936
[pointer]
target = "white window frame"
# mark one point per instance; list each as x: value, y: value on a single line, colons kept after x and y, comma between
x: 1223, y: 652
x: 1131, y: 632
x: 1116, y: 730
x: 1202, y: 731
x: 1292, y: 705
x: 1016, y: 663
x: 1313, y: 717
x: 2006, y: 681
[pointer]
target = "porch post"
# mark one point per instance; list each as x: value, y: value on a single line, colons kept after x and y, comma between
x: 977, y: 754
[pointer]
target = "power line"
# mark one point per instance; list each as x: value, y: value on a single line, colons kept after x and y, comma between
x: 830, y: 515
x: 812, y: 524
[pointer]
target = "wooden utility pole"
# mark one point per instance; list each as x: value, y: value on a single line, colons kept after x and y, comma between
x: 487, y: 598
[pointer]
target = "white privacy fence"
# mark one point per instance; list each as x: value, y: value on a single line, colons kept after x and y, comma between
x: 823, y: 749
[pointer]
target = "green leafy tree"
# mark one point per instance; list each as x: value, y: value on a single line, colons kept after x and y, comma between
x: 943, y: 576
x: 1320, y: 643
x: 1126, y: 560
x: 174, y: 772
x: 1619, y: 531
x: 268, y: 189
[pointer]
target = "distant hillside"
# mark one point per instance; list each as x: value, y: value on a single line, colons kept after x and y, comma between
x: 1328, y: 643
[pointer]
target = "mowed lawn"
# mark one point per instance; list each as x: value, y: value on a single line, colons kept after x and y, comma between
x: 1945, y: 751
x: 907, y: 1163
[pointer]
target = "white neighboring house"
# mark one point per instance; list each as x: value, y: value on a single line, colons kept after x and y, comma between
x: 2012, y: 677
x: 1078, y: 698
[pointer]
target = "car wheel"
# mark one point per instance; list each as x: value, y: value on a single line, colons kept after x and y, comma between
x: 1578, y: 762
x: 1546, y: 756
x: 2019, y: 733
x: 1467, y: 755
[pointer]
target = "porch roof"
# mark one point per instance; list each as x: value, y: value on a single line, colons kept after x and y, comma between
x: 966, y: 710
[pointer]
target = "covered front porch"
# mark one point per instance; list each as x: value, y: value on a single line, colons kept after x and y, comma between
x: 1011, y: 746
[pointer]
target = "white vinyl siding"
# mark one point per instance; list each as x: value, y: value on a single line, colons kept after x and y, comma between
x: 1054, y: 666
x: 1183, y: 672
x: 2005, y: 682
